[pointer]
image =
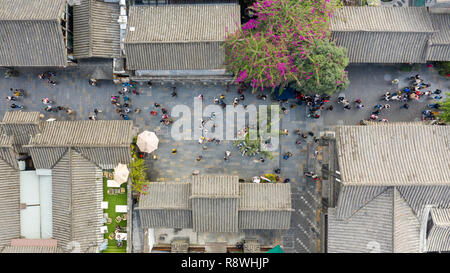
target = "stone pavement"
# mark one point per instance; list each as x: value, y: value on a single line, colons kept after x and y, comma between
x: 368, y: 82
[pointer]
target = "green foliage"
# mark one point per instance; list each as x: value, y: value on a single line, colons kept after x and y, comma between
x: 445, y: 108
x: 328, y: 62
x: 275, y: 47
x: 138, y: 174
x: 443, y: 68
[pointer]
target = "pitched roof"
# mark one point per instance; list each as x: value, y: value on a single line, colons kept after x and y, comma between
x: 441, y: 216
x: 369, y: 229
x: 382, y: 19
x: 208, y: 186
x: 9, y: 203
x: 181, y: 23
x: 216, y: 204
x: 30, y: 249
x: 21, y: 117
x: 393, y: 155
x: 265, y: 197
x: 384, y: 224
x: 84, y: 133
x: 441, y: 23
x: 77, y: 195
x: 16, y: 10
x: 31, y: 34
x: 439, y: 49
x: 96, y: 30
x: 166, y: 195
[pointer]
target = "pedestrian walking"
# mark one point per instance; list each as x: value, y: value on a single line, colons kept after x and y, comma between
x: 11, y: 98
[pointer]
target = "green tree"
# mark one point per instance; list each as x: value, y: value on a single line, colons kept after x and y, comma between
x: 445, y: 107
x: 138, y: 175
x: 327, y: 62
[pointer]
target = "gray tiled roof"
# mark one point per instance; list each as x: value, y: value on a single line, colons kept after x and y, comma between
x: 175, y: 56
x: 179, y: 37
x: 419, y: 196
x: 77, y: 195
x: 265, y: 206
x: 441, y: 216
x: 386, y: 221
x: 406, y: 231
x: 30, y: 33
x: 30, y: 9
x: 265, y: 196
x: 21, y: 126
x: 382, y: 34
x: 216, y: 204
x: 181, y: 23
x: 9, y: 203
x: 106, y: 143
x: 166, y: 205
x: 166, y: 195
x: 370, y: 227
x: 393, y: 155
x: 353, y: 198
x: 21, y: 117
x: 85, y: 133
x: 438, y: 239
x: 209, y: 186
x: 383, y: 19
x: 96, y: 31
x: 440, y: 41
x: 30, y: 249
x: 215, y: 214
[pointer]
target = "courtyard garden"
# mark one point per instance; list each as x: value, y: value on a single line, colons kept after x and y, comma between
x: 116, y: 221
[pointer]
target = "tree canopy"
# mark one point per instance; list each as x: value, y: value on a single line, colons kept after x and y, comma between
x: 278, y: 46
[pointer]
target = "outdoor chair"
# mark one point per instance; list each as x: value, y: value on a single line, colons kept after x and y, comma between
x: 110, y: 191
x: 124, y: 216
x: 122, y: 190
x: 109, y: 221
x: 111, y: 235
x: 118, y: 219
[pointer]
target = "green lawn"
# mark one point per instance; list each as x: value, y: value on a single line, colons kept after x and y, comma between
x: 113, y: 200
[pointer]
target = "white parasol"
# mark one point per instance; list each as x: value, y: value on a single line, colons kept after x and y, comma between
x: 147, y: 142
x: 121, y: 173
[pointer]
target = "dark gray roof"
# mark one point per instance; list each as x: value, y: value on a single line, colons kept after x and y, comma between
x: 265, y: 206
x: 181, y: 23
x: 166, y: 205
x: 381, y: 19
x: 9, y: 203
x: 265, y: 197
x: 371, y: 227
x: 105, y: 143
x: 216, y: 204
x: 30, y: 249
x: 215, y: 186
x: 367, y: 154
x: 85, y: 133
x: 96, y: 31
x: 179, y: 37
x: 398, y: 198
x: 166, y: 195
x: 382, y: 34
x: 21, y: 126
x: 215, y: 214
x: 441, y: 216
x: 440, y: 41
x: 77, y: 196
x: 175, y: 56
x: 31, y: 34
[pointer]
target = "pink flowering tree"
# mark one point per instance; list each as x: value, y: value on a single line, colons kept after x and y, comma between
x: 276, y: 47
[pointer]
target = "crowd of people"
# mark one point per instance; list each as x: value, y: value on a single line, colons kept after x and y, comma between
x: 122, y: 102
